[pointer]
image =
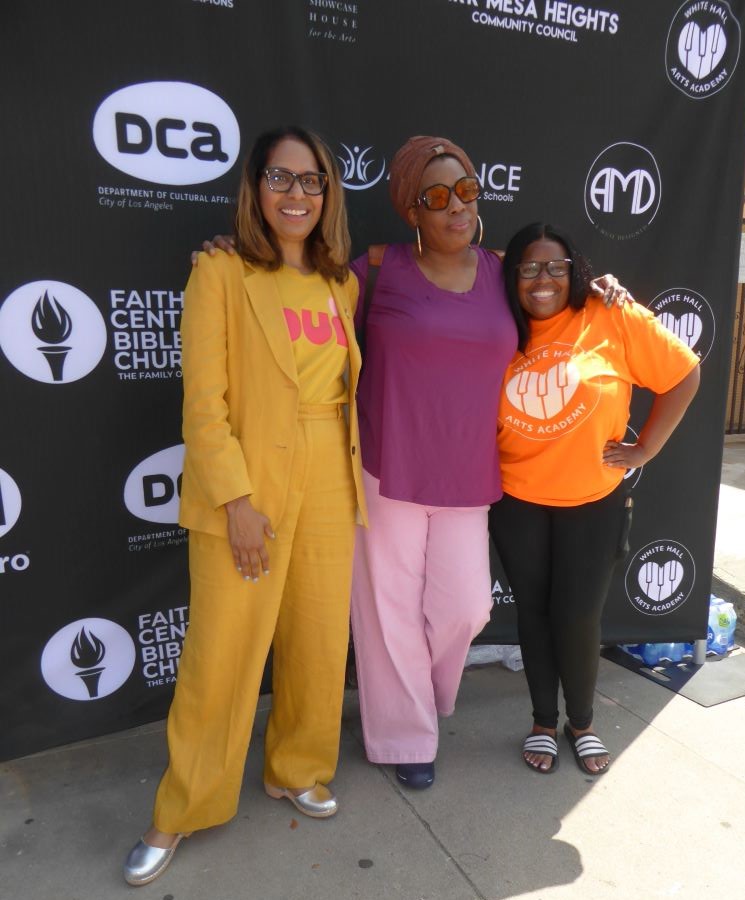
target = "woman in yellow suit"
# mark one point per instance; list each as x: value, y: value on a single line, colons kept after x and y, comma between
x: 271, y: 494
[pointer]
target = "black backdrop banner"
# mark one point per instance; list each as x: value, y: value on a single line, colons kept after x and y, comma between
x: 125, y: 123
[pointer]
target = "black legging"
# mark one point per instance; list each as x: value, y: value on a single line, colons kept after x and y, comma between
x: 559, y: 561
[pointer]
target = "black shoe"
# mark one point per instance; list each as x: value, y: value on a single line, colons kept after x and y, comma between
x: 416, y: 775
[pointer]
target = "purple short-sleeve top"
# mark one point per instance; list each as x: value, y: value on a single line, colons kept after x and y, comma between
x: 429, y: 393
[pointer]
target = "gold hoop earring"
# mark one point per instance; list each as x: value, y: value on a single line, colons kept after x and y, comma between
x: 481, y: 231
x: 418, y: 240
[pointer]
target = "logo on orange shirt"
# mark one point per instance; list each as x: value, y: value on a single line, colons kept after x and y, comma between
x: 546, y: 394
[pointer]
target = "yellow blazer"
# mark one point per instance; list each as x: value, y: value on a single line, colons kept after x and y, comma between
x: 241, y: 392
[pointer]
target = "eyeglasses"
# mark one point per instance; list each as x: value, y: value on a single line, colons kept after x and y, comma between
x: 556, y: 268
x: 437, y: 196
x: 282, y: 180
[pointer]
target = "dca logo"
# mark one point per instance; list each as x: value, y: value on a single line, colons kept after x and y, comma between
x: 167, y: 132
x: 623, y: 190
x: 703, y: 47
x: 660, y: 578
x: 360, y: 169
x: 88, y: 659
x: 688, y: 315
x: 153, y: 487
x: 52, y: 332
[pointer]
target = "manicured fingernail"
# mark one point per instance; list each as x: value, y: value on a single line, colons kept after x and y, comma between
x: 239, y: 568
x: 255, y: 580
x: 266, y: 571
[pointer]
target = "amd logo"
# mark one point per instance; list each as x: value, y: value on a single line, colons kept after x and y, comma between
x: 167, y: 132
x: 623, y: 190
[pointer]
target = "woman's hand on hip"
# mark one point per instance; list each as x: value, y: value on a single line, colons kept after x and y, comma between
x: 247, y: 530
x: 624, y: 456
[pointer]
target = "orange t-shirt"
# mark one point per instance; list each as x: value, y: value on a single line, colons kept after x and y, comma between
x: 318, y: 339
x: 570, y: 393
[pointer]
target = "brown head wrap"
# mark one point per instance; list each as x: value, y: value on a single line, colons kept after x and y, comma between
x: 409, y: 163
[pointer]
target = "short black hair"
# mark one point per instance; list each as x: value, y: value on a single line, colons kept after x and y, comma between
x: 580, y: 278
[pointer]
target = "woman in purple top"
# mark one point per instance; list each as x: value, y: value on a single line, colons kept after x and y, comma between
x: 438, y: 336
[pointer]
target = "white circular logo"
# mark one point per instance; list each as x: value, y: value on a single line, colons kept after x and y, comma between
x: 660, y: 577
x: 88, y: 659
x: 623, y: 190
x: 153, y: 488
x: 52, y: 332
x: 10, y: 502
x: 357, y: 163
x: 703, y: 48
x: 688, y: 315
x: 167, y: 132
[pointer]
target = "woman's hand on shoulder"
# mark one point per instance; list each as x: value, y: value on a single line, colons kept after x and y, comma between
x: 247, y: 530
x: 624, y: 456
x: 224, y: 242
x: 612, y: 292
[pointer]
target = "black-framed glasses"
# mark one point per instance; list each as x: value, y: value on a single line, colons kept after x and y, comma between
x: 556, y: 268
x: 437, y: 196
x: 282, y: 180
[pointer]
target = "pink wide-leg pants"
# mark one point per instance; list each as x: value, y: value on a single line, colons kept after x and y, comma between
x: 421, y: 591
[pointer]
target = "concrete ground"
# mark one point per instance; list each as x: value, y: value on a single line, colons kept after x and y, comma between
x: 666, y: 821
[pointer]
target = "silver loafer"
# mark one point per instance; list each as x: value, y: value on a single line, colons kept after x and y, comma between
x: 145, y: 863
x: 317, y: 802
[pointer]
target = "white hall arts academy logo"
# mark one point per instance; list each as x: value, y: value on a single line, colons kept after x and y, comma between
x: 52, y: 332
x: 660, y: 577
x: 703, y: 47
x: 547, y: 395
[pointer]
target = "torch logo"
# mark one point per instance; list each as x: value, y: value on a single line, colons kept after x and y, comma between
x: 52, y: 332
x: 356, y: 168
x: 51, y: 323
x: 88, y: 659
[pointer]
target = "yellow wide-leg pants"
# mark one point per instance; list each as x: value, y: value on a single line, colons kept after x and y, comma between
x: 301, y: 609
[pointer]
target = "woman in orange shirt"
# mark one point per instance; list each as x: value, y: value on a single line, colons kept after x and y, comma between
x: 563, y: 415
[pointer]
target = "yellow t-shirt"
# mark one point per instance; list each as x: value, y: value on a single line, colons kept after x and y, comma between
x: 318, y: 339
x: 569, y: 394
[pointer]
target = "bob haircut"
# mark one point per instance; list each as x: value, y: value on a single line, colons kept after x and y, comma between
x: 580, y: 278
x: 328, y: 244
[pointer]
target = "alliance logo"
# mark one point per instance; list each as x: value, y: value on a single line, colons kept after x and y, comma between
x: 688, y: 315
x: 167, y: 132
x: 10, y: 503
x: 88, y: 659
x: 703, y: 48
x: 52, y: 332
x: 356, y: 168
x: 623, y: 190
x: 660, y: 577
x: 153, y: 487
